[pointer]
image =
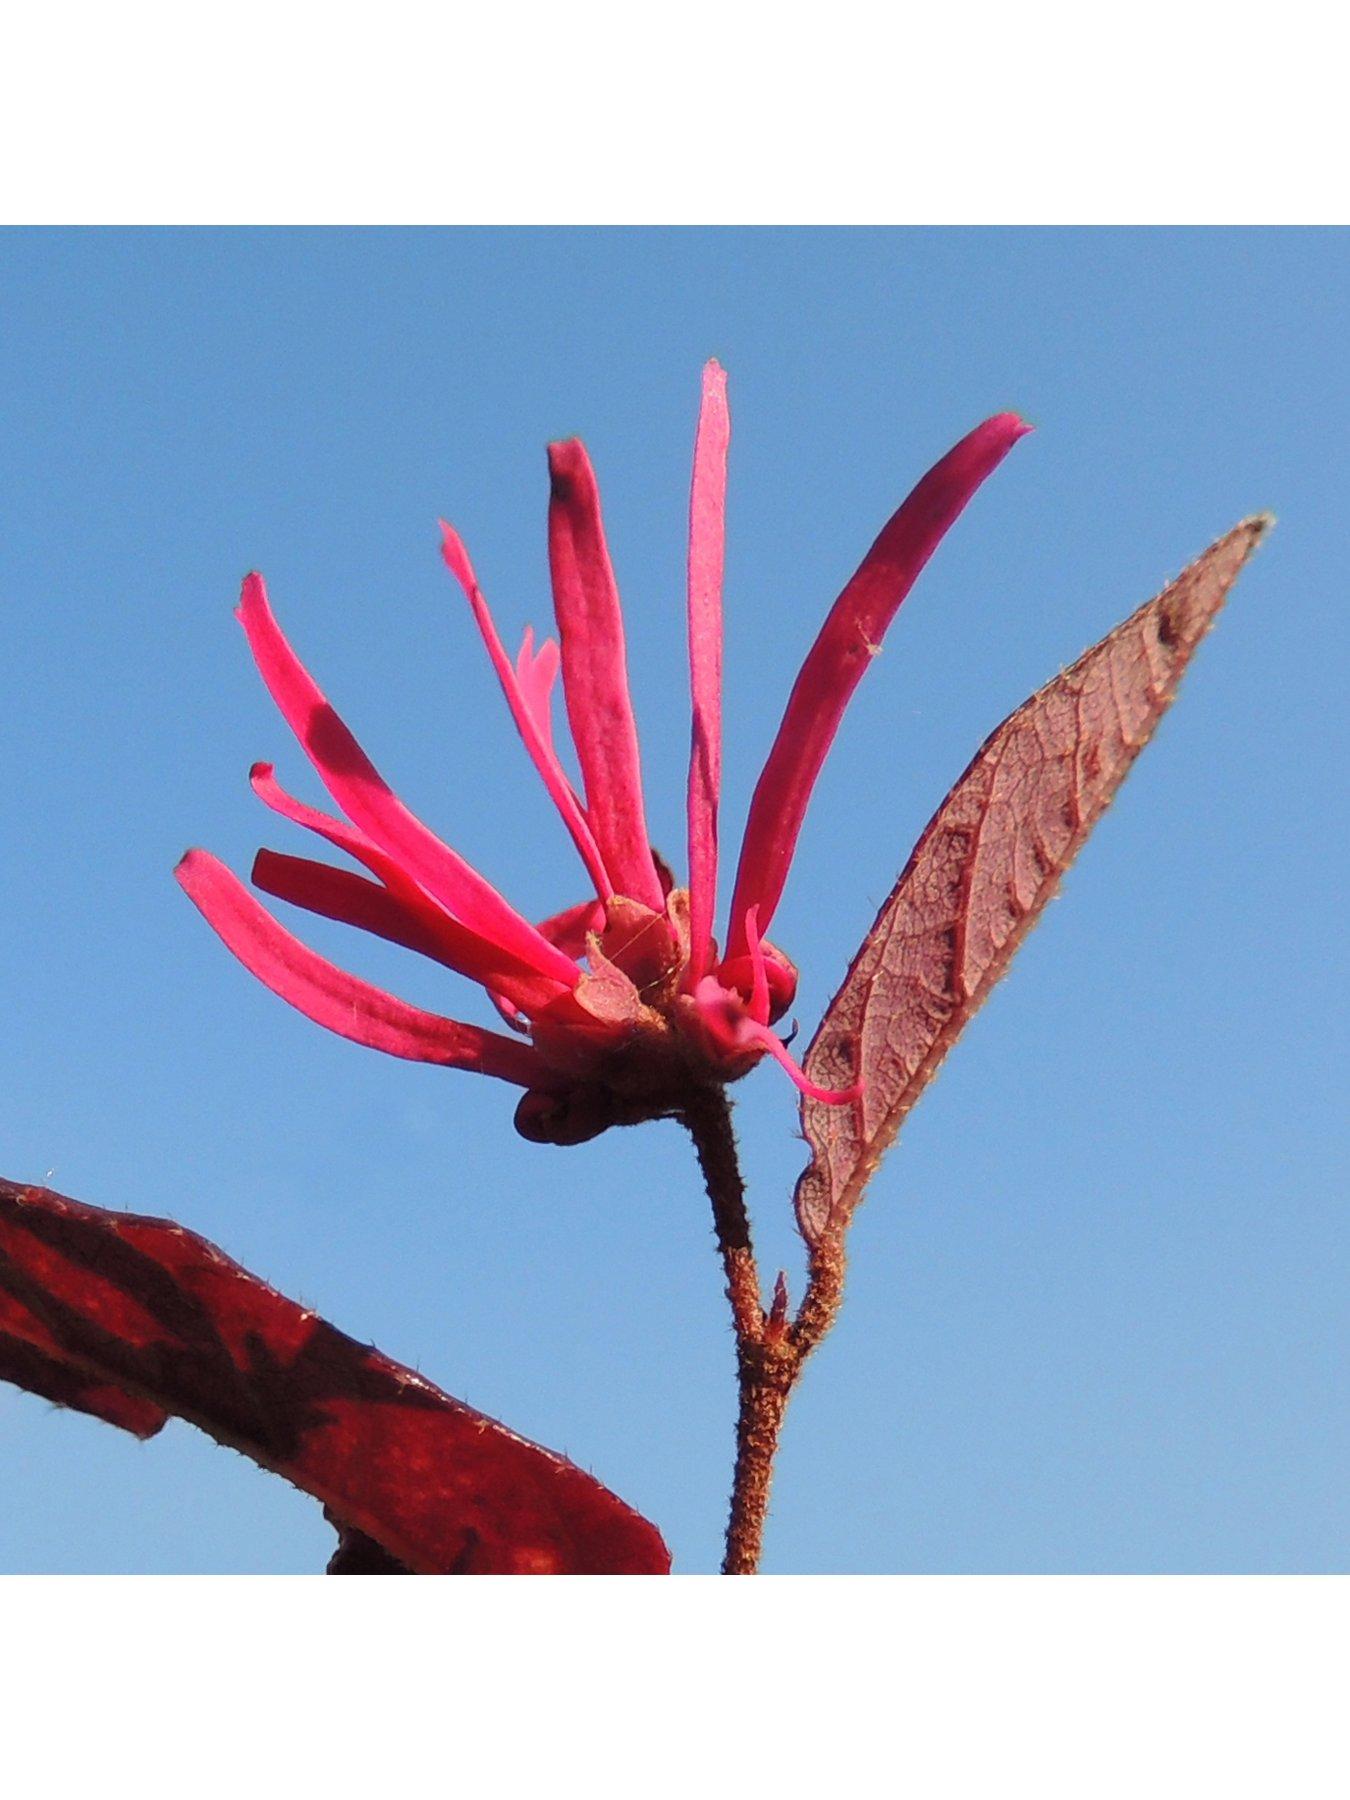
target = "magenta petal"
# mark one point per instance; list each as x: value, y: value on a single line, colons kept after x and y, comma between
x: 458, y: 948
x: 352, y: 900
x: 707, y: 539
x: 764, y: 1036
x: 759, y: 993
x: 536, y: 673
x: 539, y: 745
x: 263, y: 780
x: 343, y: 1003
x: 349, y: 899
x: 359, y: 789
x: 595, y: 675
x: 848, y: 640
x: 734, y: 1031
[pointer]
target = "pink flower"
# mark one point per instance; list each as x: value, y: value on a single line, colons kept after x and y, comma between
x: 617, y: 1007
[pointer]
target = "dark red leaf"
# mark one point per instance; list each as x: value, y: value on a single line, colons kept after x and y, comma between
x: 357, y: 1554
x: 984, y: 868
x: 133, y: 1318
x: 33, y: 1370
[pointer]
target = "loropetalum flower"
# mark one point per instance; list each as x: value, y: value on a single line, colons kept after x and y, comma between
x: 619, y: 1007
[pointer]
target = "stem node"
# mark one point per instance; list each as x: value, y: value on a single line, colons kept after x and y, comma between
x: 769, y: 1351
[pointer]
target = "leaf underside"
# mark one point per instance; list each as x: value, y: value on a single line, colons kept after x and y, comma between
x: 135, y: 1319
x: 983, y: 870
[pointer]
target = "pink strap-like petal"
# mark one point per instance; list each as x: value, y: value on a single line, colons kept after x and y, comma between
x: 343, y: 836
x: 765, y: 1036
x: 352, y: 900
x: 362, y: 793
x: 759, y: 993
x: 347, y: 898
x: 343, y: 1003
x: 537, y: 671
x: 848, y: 640
x: 733, y: 1029
x: 538, y: 743
x: 456, y: 946
x: 707, y: 539
x: 595, y: 675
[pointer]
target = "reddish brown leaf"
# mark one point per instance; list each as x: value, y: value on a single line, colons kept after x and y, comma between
x: 132, y: 1319
x: 37, y: 1373
x: 984, y: 868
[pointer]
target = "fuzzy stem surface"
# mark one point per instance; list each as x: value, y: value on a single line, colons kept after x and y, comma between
x: 770, y: 1351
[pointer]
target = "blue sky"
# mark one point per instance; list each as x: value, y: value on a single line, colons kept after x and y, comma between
x: 1098, y: 1300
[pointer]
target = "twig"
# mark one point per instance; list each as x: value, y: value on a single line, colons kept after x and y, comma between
x: 769, y: 1351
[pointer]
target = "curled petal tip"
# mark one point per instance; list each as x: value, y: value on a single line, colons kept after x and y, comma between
x: 1010, y: 425
x: 565, y: 457
x: 456, y: 556
x: 252, y: 590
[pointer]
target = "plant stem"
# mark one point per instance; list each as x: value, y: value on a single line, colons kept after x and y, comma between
x: 707, y: 1116
x: 769, y: 1351
x: 765, y: 1384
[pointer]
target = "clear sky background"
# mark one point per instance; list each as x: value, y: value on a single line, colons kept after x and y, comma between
x: 1098, y: 1307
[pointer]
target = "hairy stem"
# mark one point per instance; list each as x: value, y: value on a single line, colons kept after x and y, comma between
x: 707, y: 1115
x: 765, y: 1383
x: 824, y: 1293
x: 769, y: 1351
